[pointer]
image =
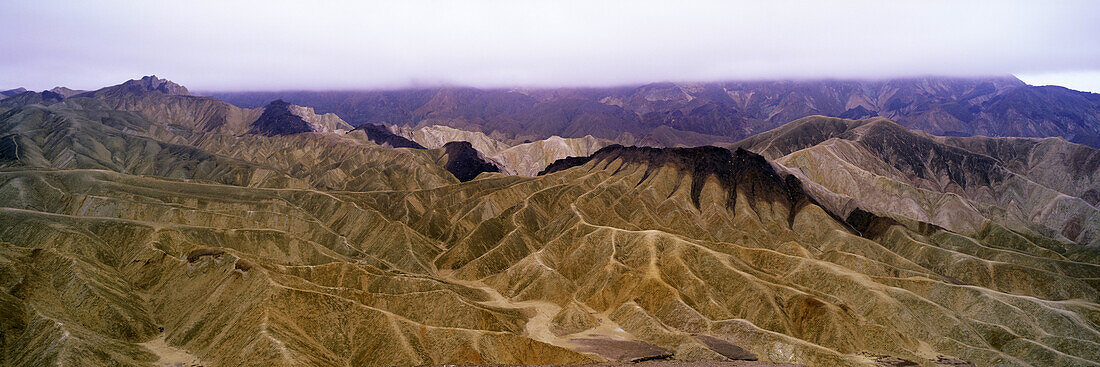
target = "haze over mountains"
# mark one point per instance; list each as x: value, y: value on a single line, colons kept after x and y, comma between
x: 705, y: 113
x: 712, y: 221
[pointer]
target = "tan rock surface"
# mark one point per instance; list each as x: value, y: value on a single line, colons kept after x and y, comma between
x: 435, y: 136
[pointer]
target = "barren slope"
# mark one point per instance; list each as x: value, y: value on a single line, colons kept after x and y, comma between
x: 162, y: 228
x: 1046, y: 186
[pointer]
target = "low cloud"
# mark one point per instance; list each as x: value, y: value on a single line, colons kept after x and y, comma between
x: 240, y: 45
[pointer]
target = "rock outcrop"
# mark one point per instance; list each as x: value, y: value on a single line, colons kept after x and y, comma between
x: 435, y: 136
x: 529, y: 158
x: 465, y: 162
x: 525, y: 159
x: 282, y: 118
x: 382, y: 136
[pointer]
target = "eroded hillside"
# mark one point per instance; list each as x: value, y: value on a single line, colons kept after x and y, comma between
x: 139, y: 219
x: 1046, y: 186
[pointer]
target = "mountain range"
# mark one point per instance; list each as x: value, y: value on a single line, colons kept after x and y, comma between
x: 714, y: 222
x: 671, y: 114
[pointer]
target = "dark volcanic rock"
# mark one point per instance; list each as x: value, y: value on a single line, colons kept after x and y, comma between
x: 927, y: 159
x: 857, y: 112
x: 564, y: 164
x: 382, y: 136
x: 278, y: 120
x: 622, y: 350
x: 726, y: 349
x: 952, y: 362
x: 868, y: 224
x: 735, y: 170
x: 465, y: 162
x: 895, y: 362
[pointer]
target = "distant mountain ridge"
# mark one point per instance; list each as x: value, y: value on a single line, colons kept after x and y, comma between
x: 691, y: 113
x: 145, y: 84
x: 11, y: 92
x: 66, y: 92
x: 25, y: 98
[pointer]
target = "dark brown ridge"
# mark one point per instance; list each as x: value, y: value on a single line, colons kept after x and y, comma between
x: 464, y: 162
x: 735, y: 170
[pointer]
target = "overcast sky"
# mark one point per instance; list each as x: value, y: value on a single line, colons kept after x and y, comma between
x: 263, y: 45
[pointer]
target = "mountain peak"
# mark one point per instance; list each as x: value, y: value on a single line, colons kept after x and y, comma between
x: 12, y: 92
x: 134, y: 87
x: 283, y: 118
x: 65, y: 91
x: 152, y: 83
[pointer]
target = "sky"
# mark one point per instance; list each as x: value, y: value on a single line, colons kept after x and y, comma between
x: 316, y: 45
